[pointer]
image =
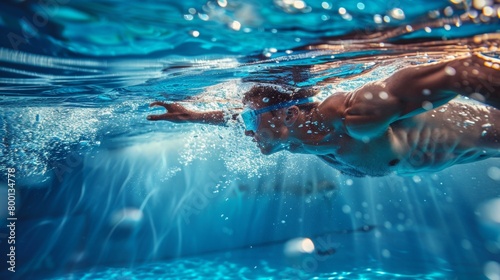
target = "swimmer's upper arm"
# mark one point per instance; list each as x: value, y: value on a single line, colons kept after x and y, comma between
x: 372, y: 108
x: 369, y: 111
x: 425, y: 87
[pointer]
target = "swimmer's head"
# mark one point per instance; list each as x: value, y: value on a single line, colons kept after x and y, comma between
x: 270, y: 113
x: 251, y: 118
x: 264, y: 95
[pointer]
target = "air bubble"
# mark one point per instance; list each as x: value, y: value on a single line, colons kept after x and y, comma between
x: 466, y: 244
x: 468, y: 123
x: 265, y: 99
x: 383, y: 95
x: 494, y: 173
x: 488, y: 11
x: 492, y: 270
x: 299, y: 5
x: 298, y: 246
x: 195, y: 33
x: 235, y: 25
x: 427, y: 105
x: 398, y: 14
x: 417, y: 179
x: 448, y: 11
x: 203, y: 17
x: 450, y: 71
x: 386, y: 253
x: 222, y: 3
x: 479, y: 4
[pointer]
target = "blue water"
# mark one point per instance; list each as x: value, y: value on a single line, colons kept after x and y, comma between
x: 101, y: 193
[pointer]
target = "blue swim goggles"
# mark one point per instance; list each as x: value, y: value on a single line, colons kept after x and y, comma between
x: 251, y: 118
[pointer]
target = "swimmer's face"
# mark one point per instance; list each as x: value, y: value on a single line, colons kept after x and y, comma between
x: 271, y: 134
x: 267, y: 130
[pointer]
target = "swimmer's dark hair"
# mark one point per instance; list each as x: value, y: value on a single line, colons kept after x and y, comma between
x: 275, y: 94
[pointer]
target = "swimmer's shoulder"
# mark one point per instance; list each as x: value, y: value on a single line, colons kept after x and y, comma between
x: 333, y: 107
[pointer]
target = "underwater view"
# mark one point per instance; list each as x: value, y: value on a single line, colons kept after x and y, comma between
x: 257, y: 139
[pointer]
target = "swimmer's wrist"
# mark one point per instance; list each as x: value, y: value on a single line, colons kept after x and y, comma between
x: 214, y: 117
x: 218, y: 117
x: 231, y: 115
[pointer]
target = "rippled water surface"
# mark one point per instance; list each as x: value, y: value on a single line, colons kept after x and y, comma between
x: 104, y: 194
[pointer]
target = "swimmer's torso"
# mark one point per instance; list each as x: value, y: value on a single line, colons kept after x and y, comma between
x: 451, y: 134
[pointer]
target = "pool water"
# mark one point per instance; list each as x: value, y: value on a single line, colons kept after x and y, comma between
x: 102, y: 193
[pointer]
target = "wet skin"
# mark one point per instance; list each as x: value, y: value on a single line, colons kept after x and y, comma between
x: 405, y: 124
x: 454, y: 133
x: 373, y: 131
x: 270, y: 135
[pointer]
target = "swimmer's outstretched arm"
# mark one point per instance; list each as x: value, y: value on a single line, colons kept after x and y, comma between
x: 179, y: 114
x: 370, y: 109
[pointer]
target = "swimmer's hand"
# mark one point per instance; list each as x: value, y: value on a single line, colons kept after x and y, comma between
x: 179, y: 114
x: 175, y: 113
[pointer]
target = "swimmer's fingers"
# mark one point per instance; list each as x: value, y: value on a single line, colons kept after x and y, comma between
x: 168, y: 106
x: 175, y: 112
x: 157, y: 103
x: 164, y: 116
x: 157, y: 117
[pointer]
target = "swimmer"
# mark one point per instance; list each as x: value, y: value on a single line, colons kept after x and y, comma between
x: 405, y: 124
